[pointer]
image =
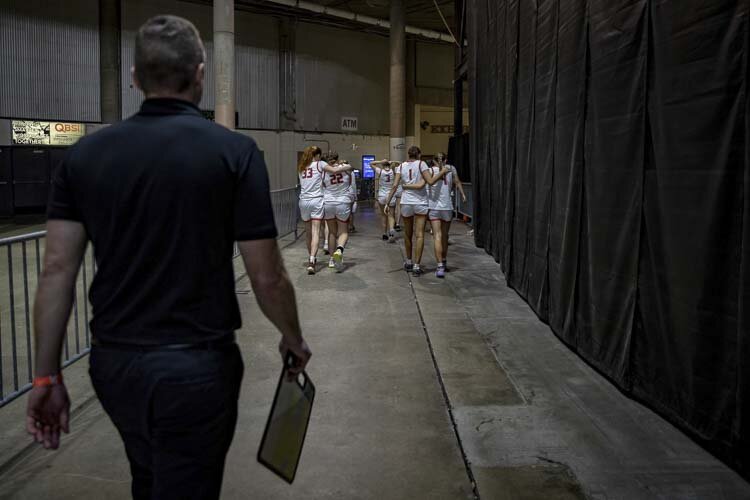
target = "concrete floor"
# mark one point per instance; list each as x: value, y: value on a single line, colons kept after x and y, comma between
x: 391, y: 356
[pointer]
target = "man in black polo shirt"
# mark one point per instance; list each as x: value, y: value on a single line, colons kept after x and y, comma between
x: 162, y: 196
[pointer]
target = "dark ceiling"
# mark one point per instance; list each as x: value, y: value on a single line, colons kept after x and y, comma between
x: 419, y: 13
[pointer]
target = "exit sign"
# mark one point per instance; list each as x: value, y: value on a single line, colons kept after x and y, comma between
x: 349, y: 124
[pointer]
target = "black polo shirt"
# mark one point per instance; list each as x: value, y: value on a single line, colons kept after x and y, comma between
x: 163, y: 196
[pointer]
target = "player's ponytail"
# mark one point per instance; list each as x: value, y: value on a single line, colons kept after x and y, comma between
x: 307, y: 157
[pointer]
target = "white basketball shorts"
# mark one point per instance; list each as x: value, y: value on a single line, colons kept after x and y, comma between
x: 311, y: 209
x: 340, y: 211
x: 412, y: 210
x: 443, y: 215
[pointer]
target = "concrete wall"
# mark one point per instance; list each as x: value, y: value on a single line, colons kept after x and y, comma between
x: 435, y: 65
x: 432, y: 143
x: 49, y: 52
x: 280, y: 148
x: 341, y: 73
x: 50, y: 70
x: 256, y: 59
x: 49, y: 59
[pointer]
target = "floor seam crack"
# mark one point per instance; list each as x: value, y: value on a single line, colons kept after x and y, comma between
x: 449, y: 406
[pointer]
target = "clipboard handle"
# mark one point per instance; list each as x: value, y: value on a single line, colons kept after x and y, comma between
x: 290, y: 361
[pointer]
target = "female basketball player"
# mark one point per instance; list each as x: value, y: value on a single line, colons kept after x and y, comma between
x: 310, y: 171
x: 441, y: 210
x: 442, y: 200
x: 337, y: 210
x: 413, y: 175
x: 384, y: 179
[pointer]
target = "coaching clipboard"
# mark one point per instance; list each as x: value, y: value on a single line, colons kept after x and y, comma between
x: 281, y: 446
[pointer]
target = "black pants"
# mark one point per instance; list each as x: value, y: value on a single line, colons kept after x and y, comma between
x: 176, y: 412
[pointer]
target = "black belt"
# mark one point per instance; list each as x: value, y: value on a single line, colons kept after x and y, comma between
x: 208, y: 345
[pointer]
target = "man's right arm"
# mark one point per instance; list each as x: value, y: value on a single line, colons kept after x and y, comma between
x: 275, y: 295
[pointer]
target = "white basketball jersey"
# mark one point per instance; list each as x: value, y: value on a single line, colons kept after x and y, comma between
x: 385, y: 181
x: 411, y: 173
x: 311, y: 181
x: 336, y: 187
x: 440, y: 192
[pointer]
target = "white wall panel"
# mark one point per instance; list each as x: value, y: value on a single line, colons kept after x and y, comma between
x: 49, y: 59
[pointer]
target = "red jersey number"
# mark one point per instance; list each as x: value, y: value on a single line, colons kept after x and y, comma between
x: 308, y: 173
x: 337, y: 178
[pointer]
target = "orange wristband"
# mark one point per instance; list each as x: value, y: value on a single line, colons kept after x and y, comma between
x: 48, y: 380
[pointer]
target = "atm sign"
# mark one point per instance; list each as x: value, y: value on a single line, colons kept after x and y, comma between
x: 349, y: 123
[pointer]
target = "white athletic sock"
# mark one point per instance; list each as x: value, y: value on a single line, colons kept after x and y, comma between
x: 408, y: 262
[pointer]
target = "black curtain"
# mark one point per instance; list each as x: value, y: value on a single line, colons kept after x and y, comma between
x: 609, y: 157
x: 458, y: 156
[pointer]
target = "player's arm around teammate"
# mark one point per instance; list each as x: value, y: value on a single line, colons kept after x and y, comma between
x: 310, y: 171
x: 337, y: 208
x: 384, y: 180
x: 441, y: 212
x: 394, y: 188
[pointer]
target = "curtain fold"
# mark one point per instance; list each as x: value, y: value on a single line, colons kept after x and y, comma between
x: 609, y: 154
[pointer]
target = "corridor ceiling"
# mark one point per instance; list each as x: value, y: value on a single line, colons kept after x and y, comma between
x: 419, y: 13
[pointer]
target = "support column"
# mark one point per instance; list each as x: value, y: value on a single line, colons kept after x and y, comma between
x: 110, y: 72
x: 224, y: 62
x: 287, y: 74
x: 398, y: 81
x: 411, y: 94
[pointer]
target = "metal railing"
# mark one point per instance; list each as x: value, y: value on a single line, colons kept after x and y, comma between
x: 285, y: 203
x: 20, y: 266
x: 286, y: 210
x: 465, y: 209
